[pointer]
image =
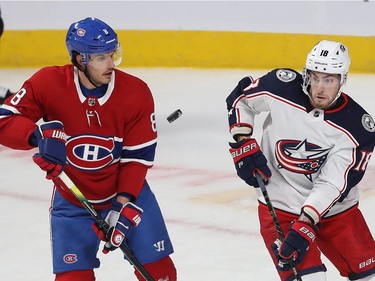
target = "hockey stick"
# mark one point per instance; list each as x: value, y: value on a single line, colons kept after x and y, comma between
x: 103, y: 225
x: 262, y: 187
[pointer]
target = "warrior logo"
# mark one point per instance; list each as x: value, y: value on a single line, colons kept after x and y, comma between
x: 159, y: 246
x: 300, y: 157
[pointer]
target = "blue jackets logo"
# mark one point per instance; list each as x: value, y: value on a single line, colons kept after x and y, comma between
x: 300, y: 157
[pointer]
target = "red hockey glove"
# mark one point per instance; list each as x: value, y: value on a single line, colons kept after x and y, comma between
x: 249, y: 159
x: 294, y: 248
x: 121, y: 220
x: 50, y: 138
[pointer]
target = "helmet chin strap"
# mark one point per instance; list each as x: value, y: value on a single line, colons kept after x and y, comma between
x: 83, y: 67
x: 335, y: 99
x: 88, y: 77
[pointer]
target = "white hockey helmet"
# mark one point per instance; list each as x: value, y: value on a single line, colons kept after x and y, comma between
x: 327, y: 57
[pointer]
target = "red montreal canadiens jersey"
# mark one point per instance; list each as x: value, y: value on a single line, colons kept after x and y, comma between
x: 317, y: 157
x: 111, y: 140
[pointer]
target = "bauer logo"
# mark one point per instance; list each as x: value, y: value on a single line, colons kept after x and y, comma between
x: 90, y: 153
x: 70, y: 258
x: 366, y: 263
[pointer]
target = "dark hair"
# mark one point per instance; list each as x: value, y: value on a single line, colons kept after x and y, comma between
x: 1, y: 25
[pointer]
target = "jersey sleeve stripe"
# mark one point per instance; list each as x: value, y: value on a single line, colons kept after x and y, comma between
x: 143, y: 162
x: 143, y: 153
x: 135, y: 147
x: 6, y: 111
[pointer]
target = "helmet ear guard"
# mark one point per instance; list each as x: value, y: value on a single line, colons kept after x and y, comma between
x: 75, y: 61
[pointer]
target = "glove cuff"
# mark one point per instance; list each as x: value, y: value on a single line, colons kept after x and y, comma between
x: 243, y: 148
x: 304, y: 229
x: 310, y: 214
x: 133, y: 213
x: 243, y: 130
x: 52, y: 129
x: 129, y: 210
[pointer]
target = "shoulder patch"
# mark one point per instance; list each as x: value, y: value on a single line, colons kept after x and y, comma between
x: 286, y: 75
x: 368, y: 123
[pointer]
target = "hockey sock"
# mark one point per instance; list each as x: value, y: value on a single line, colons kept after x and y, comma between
x: 76, y: 275
x: 160, y: 270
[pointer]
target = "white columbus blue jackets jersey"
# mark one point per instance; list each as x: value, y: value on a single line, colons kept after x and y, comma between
x: 317, y: 157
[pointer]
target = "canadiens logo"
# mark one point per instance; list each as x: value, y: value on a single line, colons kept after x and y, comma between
x: 70, y: 258
x: 89, y: 152
x: 81, y: 32
x: 300, y: 157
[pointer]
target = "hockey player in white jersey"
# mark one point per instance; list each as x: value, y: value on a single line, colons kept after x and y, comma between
x: 316, y: 144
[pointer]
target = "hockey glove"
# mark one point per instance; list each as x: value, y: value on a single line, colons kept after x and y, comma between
x: 249, y: 159
x: 121, y: 220
x: 4, y: 94
x: 294, y: 248
x: 50, y: 138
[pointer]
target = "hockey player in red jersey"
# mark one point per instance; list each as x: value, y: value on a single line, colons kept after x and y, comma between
x: 99, y: 128
x: 316, y: 144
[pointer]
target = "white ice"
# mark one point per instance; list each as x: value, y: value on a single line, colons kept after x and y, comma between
x: 210, y: 213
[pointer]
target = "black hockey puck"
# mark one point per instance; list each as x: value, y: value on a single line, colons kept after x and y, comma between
x: 174, y: 115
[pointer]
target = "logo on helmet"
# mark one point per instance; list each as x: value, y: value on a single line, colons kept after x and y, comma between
x: 81, y: 32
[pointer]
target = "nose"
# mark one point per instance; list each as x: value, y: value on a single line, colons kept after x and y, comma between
x: 320, y: 86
